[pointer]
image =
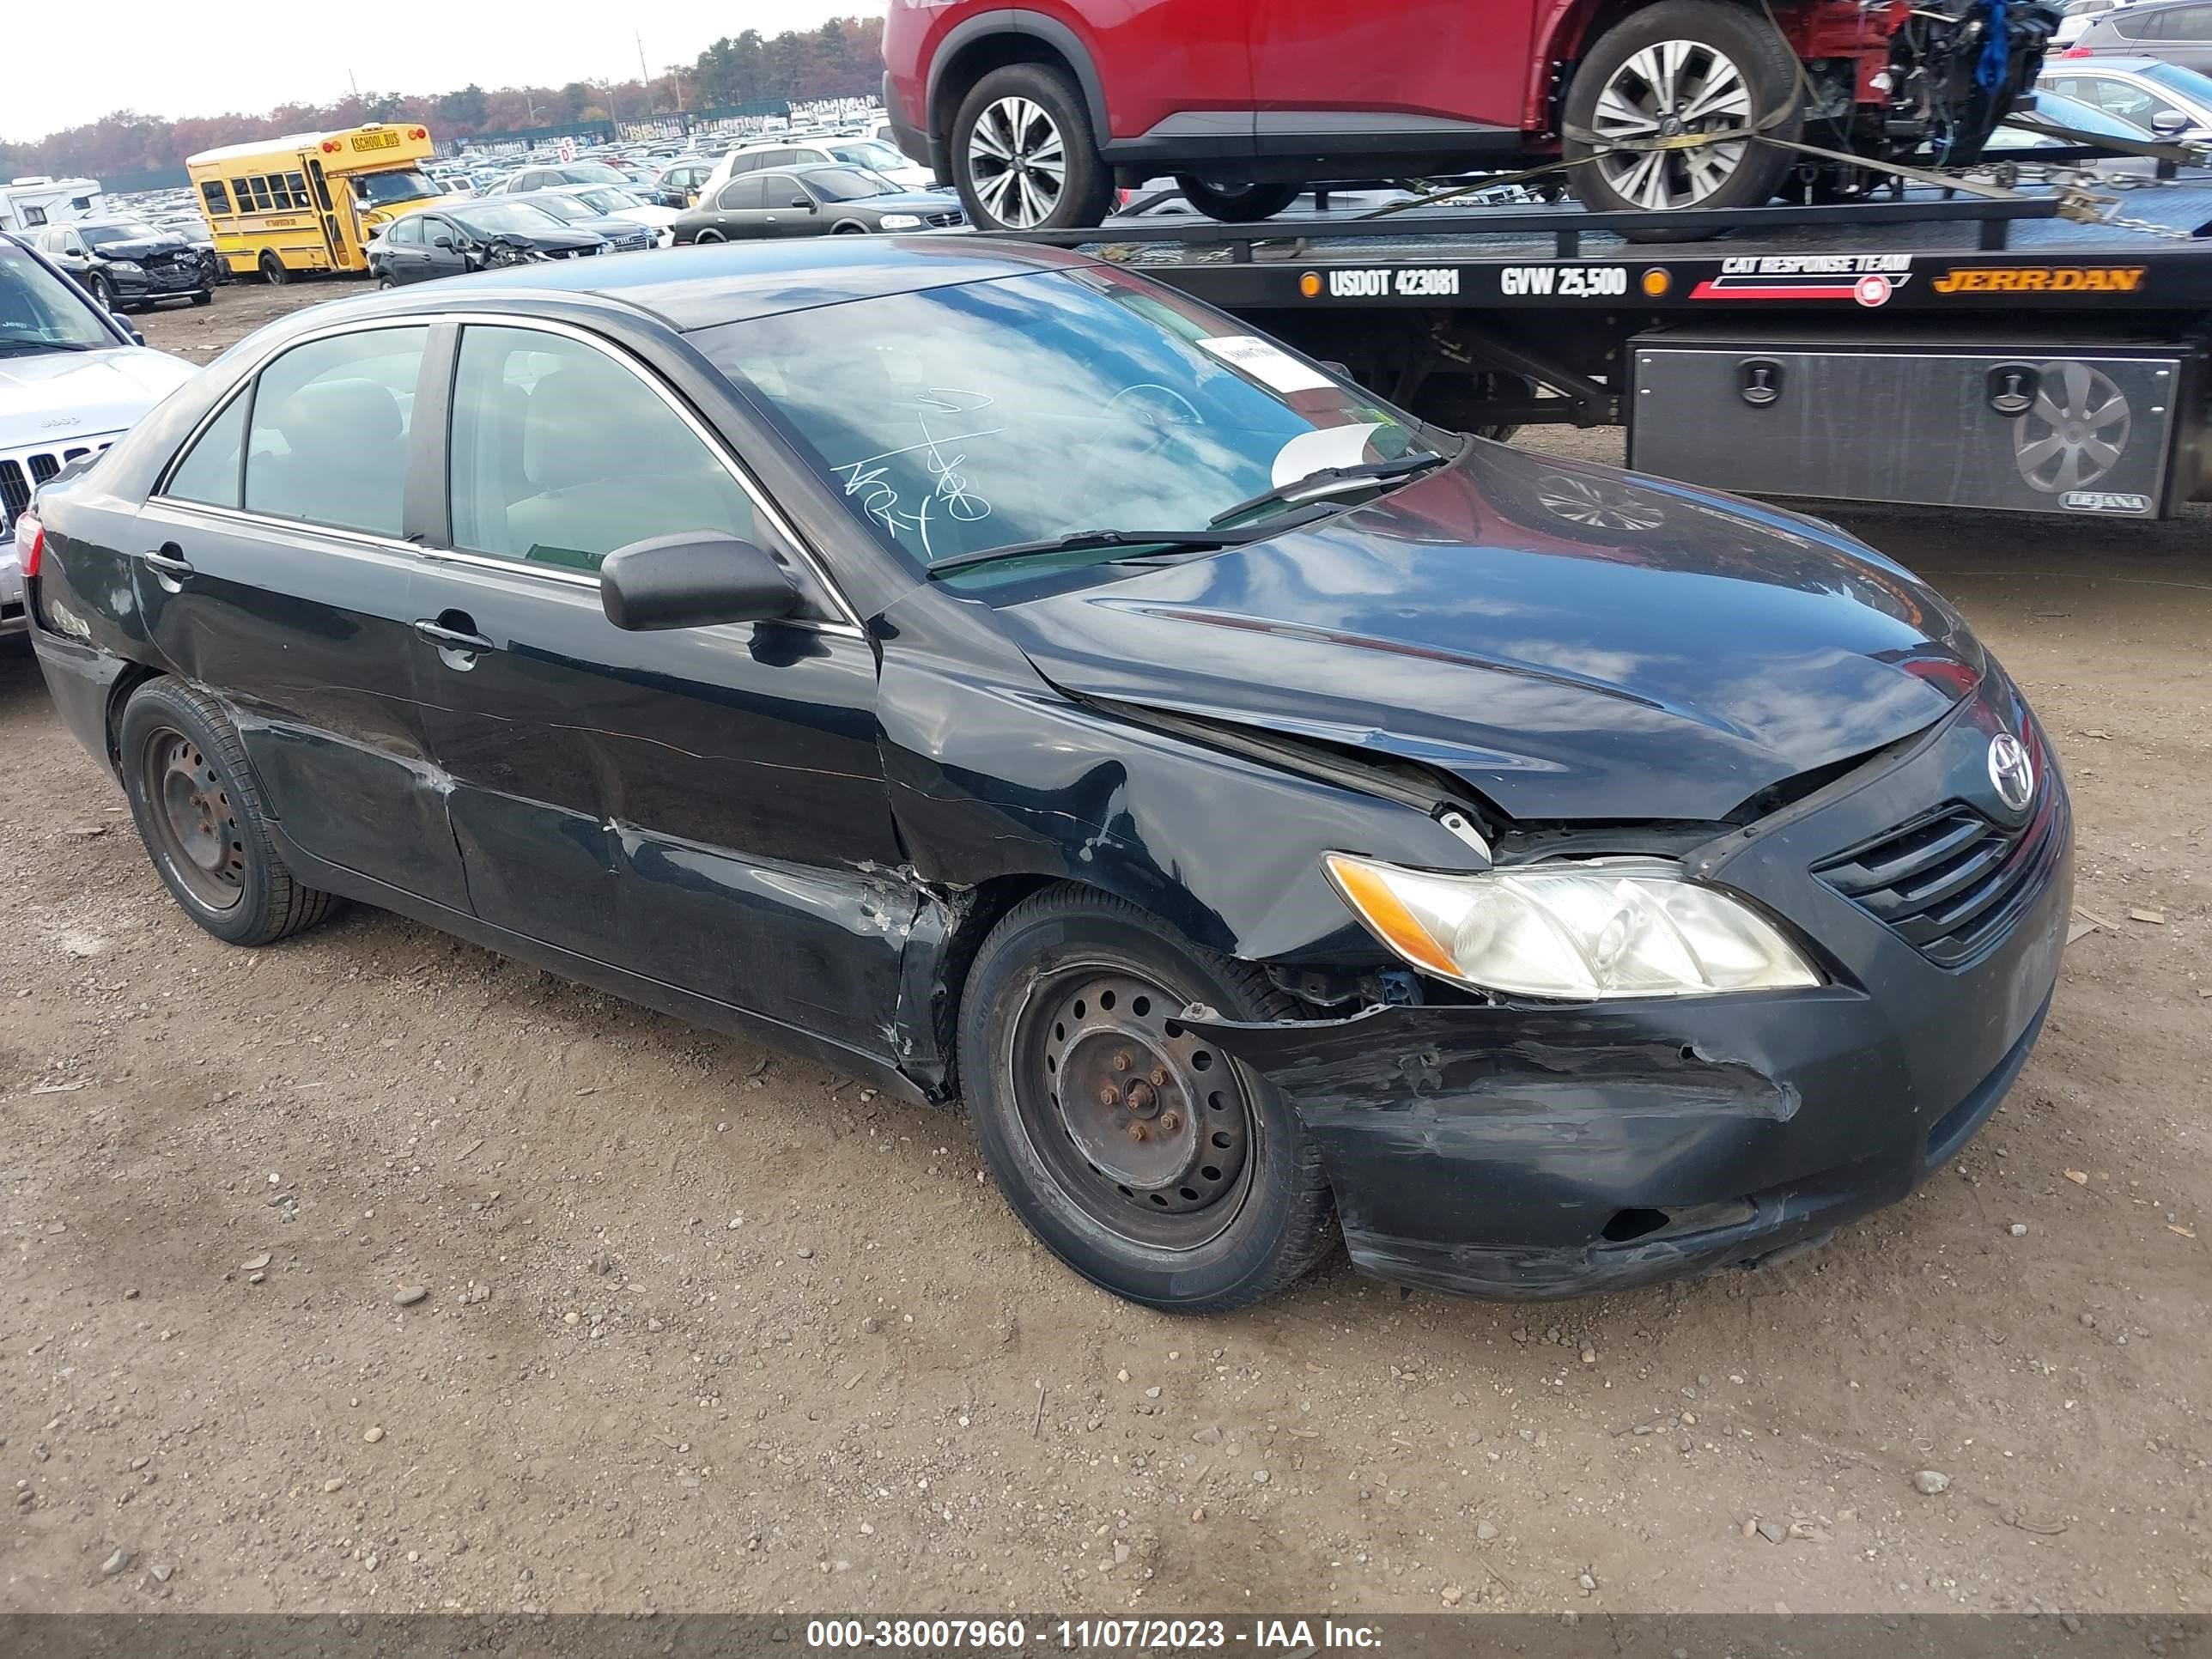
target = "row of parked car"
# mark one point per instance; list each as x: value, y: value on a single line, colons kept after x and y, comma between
x: 783, y: 186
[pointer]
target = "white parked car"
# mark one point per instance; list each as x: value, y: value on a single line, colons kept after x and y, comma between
x: 618, y: 203
x: 73, y: 379
x: 818, y: 152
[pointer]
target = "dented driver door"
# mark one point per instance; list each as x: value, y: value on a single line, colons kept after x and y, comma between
x: 701, y: 807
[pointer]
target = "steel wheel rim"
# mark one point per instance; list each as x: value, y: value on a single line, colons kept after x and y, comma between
x: 194, y: 822
x: 1017, y: 161
x: 1097, y: 1054
x: 1670, y: 89
x: 2071, y: 440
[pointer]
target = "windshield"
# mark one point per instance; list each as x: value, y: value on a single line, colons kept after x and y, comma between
x: 868, y: 153
x: 102, y: 235
x: 2188, y: 82
x: 846, y: 183
x: 508, y: 218
x: 608, y: 201
x: 591, y: 172
x: 561, y: 208
x: 960, y: 418
x: 382, y: 189
x: 40, y: 311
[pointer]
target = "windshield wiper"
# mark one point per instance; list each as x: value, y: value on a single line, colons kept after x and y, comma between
x: 1331, y: 481
x: 45, y: 345
x: 1079, y: 541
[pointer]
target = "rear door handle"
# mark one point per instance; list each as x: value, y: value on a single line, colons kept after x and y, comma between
x: 169, y: 559
x: 453, y: 639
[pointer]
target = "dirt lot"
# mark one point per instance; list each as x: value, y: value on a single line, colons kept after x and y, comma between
x: 706, y: 1328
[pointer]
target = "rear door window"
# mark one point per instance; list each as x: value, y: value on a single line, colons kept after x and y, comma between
x: 328, y: 440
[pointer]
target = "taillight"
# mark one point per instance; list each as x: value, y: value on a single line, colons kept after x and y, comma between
x: 2077, y: 51
x: 30, y: 543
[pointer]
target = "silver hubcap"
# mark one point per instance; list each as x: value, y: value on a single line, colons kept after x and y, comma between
x: 2075, y: 430
x: 1664, y: 91
x: 1018, y: 162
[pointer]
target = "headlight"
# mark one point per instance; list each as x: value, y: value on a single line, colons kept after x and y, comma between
x: 1594, y: 928
x: 899, y: 221
x: 131, y: 266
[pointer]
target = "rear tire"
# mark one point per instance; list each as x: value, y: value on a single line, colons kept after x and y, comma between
x: 1682, y: 66
x: 198, y: 810
x: 706, y: 236
x: 1221, y: 1201
x: 1237, y: 204
x: 272, y: 270
x: 1022, y: 143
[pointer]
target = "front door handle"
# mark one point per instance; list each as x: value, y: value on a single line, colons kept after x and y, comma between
x: 169, y: 559
x: 461, y: 638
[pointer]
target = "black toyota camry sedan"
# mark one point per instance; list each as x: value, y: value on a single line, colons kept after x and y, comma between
x: 1275, y: 818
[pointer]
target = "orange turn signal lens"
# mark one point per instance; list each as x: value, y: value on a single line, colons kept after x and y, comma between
x: 1367, y: 893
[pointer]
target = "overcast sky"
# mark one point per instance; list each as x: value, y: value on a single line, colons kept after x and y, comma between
x: 68, y: 65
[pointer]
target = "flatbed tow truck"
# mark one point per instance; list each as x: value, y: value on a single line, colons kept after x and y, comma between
x: 2037, y: 348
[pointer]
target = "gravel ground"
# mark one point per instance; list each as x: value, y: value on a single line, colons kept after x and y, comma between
x: 374, y: 1272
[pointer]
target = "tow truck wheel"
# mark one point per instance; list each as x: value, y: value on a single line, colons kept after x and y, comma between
x: 1139, y: 1152
x: 1673, y: 71
x: 1236, y: 203
x: 272, y: 270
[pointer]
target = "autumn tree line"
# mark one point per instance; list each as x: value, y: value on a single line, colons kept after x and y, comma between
x: 844, y: 57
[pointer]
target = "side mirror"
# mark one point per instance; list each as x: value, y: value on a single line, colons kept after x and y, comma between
x: 442, y: 241
x: 128, y: 327
x: 692, y: 579
x: 806, y: 202
x: 2169, y: 123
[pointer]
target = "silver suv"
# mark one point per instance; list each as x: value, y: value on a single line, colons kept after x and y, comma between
x: 73, y: 379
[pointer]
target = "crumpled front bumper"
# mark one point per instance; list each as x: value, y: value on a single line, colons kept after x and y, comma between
x: 1537, y: 1151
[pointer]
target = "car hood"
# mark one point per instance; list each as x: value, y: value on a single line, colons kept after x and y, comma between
x: 1571, y: 641
x: 568, y: 236
x: 141, y: 247
x: 58, y: 396
x: 907, y: 201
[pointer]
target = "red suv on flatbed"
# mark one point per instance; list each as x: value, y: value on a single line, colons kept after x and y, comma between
x: 1033, y: 113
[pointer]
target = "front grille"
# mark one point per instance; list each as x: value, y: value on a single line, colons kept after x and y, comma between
x: 1952, y: 881
x: 20, y: 474
x: 945, y: 221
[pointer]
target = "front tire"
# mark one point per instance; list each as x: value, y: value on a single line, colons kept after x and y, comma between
x: 1150, y: 1162
x: 198, y: 810
x: 1682, y: 66
x: 1234, y: 203
x: 104, y: 292
x: 1022, y: 157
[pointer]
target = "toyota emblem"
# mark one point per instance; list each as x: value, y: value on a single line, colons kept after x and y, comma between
x: 2011, y: 771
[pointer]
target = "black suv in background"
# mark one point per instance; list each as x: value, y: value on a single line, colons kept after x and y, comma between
x: 126, y: 263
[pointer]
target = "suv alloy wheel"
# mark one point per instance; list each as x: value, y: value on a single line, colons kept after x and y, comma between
x: 1023, y: 155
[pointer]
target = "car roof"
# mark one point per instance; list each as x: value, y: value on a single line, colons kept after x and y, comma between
x: 2103, y: 60
x: 702, y: 287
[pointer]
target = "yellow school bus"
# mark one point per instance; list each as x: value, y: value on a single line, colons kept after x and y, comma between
x: 310, y: 202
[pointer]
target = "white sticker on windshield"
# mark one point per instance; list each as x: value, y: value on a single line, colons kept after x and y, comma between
x: 1327, y: 446
x: 1269, y: 364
